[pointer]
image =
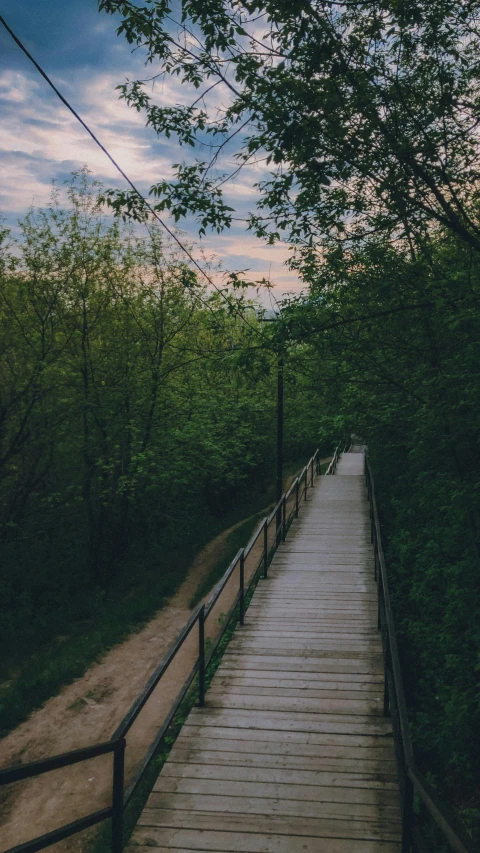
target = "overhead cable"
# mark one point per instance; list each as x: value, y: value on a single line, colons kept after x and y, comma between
x: 119, y: 169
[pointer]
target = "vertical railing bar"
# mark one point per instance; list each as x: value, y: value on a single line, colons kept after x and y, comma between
x: 380, y: 598
x: 201, y: 657
x: 297, y: 490
x: 265, y: 548
x: 407, y: 814
x: 242, y: 588
x: 117, y: 795
x: 284, y: 518
x: 386, y: 654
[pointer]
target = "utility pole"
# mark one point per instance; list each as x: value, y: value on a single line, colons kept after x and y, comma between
x: 280, y: 375
x: 279, y: 428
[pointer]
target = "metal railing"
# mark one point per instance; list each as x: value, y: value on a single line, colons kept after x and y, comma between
x: 413, y: 786
x: 251, y: 562
x: 333, y: 464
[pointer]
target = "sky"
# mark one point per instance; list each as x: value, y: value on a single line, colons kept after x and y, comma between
x: 41, y: 141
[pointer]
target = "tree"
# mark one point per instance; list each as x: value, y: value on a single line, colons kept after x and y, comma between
x: 368, y: 113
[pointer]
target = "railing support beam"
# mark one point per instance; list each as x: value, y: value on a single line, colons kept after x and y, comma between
x: 117, y: 797
x: 265, y: 548
x: 201, y: 657
x: 241, y: 617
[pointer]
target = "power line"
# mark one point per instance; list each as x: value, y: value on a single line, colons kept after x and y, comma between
x: 124, y: 175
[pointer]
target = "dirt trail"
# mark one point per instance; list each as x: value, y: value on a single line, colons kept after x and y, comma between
x: 88, y: 711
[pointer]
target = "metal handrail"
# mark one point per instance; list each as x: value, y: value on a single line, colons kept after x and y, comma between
x: 152, y: 682
x: 117, y: 743
x: 333, y: 464
x: 411, y: 781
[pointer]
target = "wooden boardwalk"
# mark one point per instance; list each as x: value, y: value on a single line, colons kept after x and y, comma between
x: 291, y: 753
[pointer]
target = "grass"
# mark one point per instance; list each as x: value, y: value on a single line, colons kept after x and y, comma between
x: 66, y: 658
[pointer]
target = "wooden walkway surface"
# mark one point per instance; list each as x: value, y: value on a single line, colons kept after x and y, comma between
x: 291, y: 753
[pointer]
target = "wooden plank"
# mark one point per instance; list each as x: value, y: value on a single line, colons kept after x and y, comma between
x: 358, y: 744
x: 315, y: 827
x: 250, y: 675
x: 247, y: 842
x: 320, y: 705
x: 300, y: 721
x: 380, y: 797
x: 341, y: 755
x: 279, y: 775
x: 337, y: 647
x: 297, y: 619
x: 317, y: 663
x: 254, y: 630
x: 199, y: 754
x: 276, y: 690
x: 314, y: 601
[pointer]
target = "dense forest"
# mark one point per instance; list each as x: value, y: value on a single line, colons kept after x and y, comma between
x: 137, y: 419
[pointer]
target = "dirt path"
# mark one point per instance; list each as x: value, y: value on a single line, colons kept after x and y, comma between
x: 87, y: 712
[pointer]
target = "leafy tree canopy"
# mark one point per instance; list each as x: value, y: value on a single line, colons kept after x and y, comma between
x: 366, y: 113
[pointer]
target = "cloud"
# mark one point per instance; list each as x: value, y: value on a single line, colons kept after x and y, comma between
x: 15, y: 88
x: 40, y: 141
x: 240, y: 251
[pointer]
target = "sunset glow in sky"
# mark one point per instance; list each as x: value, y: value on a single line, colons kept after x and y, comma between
x: 41, y: 141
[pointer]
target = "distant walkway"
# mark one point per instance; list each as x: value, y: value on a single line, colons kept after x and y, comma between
x: 291, y: 753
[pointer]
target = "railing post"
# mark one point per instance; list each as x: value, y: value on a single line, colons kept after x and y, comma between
x: 407, y: 813
x: 305, y: 486
x: 380, y: 593
x: 297, y: 490
x: 311, y: 476
x: 386, y: 664
x: 265, y: 548
x: 284, y: 518
x: 242, y: 588
x: 201, y: 656
x: 117, y: 795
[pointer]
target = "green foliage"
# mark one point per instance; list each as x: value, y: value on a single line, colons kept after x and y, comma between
x: 393, y: 339
x: 137, y: 420
x: 235, y: 540
x: 365, y: 113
